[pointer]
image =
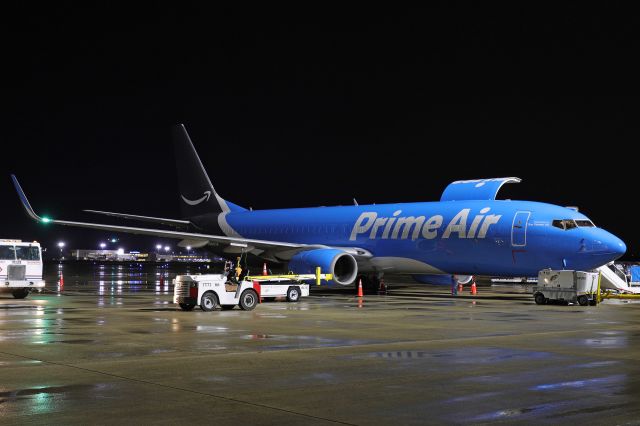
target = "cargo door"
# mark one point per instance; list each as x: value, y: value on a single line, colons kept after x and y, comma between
x: 519, y: 229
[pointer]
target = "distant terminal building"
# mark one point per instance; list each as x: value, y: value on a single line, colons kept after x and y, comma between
x: 135, y: 256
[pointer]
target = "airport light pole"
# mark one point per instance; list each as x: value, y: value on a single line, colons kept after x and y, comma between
x: 61, y: 246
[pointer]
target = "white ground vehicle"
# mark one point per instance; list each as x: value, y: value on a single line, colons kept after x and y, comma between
x: 20, y: 268
x: 215, y: 290
x: 566, y: 286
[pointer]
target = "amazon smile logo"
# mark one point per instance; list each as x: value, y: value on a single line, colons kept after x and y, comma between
x: 205, y: 197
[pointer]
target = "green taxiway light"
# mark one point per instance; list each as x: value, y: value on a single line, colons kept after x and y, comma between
x: 46, y: 220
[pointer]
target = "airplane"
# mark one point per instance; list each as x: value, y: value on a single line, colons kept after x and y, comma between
x: 467, y: 233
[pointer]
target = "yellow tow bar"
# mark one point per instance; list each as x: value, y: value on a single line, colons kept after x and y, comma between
x: 318, y: 277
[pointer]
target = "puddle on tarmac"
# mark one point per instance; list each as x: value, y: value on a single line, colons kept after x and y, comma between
x: 598, y: 382
x: 20, y: 307
x: 596, y: 364
x: 473, y: 397
x: 257, y: 336
x: 606, y: 342
x: 74, y: 342
x: 211, y: 329
x: 161, y: 351
x: 110, y: 354
x: 471, y: 356
x: 20, y: 362
x: 293, y: 342
x: 46, y: 390
x: 512, y: 413
x: 277, y: 316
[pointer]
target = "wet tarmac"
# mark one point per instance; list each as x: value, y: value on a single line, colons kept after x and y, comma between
x: 110, y: 348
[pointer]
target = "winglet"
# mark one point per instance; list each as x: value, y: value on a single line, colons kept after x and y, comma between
x: 25, y: 202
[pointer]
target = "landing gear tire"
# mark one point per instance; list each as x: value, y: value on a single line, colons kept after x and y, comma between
x: 583, y: 300
x: 187, y: 306
x: 227, y: 307
x: 540, y: 299
x: 20, y: 293
x: 248, y: 300
x: 293, y: 294
x: 209, y: 301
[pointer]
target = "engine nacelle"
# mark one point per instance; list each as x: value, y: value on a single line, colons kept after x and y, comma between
x: 341, y: 265
x: 442, y: 279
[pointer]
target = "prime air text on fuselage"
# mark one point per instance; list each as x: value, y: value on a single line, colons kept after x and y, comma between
x: 428, y: 227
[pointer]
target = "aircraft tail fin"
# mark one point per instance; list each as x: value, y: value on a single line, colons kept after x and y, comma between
x: 197, y: 195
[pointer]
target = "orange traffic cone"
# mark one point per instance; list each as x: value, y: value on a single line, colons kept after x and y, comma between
x: 474, y: 289
x: 264, y: 268
x: 360, y: 294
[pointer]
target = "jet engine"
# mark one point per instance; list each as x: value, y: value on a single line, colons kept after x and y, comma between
x: 342, y: 265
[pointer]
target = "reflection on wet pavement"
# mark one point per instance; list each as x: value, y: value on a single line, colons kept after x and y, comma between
x: 111, y: 342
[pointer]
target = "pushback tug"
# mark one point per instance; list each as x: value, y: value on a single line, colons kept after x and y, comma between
x: 211, y: 291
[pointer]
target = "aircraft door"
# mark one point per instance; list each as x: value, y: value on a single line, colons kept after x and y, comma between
x: 519, y: 229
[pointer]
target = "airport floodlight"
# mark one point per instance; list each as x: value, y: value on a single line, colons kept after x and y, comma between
x: 120, y: 250
x: 158, y: 246
x: 103, y: 245
x: 188, y: 248
x: 114, y: 240
x: 167, y: 248
x: 61, y: 244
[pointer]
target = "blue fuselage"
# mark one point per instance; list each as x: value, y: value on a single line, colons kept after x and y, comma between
x: 508, y: 238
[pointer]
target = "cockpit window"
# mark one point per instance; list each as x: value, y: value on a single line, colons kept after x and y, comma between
x: 565, y: 224
x: 585, y: 223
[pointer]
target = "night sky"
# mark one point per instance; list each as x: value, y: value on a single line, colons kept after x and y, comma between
x: 303, y: 107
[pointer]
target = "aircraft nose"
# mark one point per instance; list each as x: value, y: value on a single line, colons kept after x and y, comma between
x: 617, y: 245
x: 609, y: 245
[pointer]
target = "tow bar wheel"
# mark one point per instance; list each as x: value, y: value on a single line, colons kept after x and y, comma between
x: 248, y: 300
x: 293, y: 294
x: 209, y: 301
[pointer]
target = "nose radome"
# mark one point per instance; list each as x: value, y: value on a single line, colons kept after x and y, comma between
x: 618, y: 246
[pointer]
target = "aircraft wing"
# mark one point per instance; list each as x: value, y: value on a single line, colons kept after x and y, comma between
x: 160, y: 220
x: 281, y: 250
